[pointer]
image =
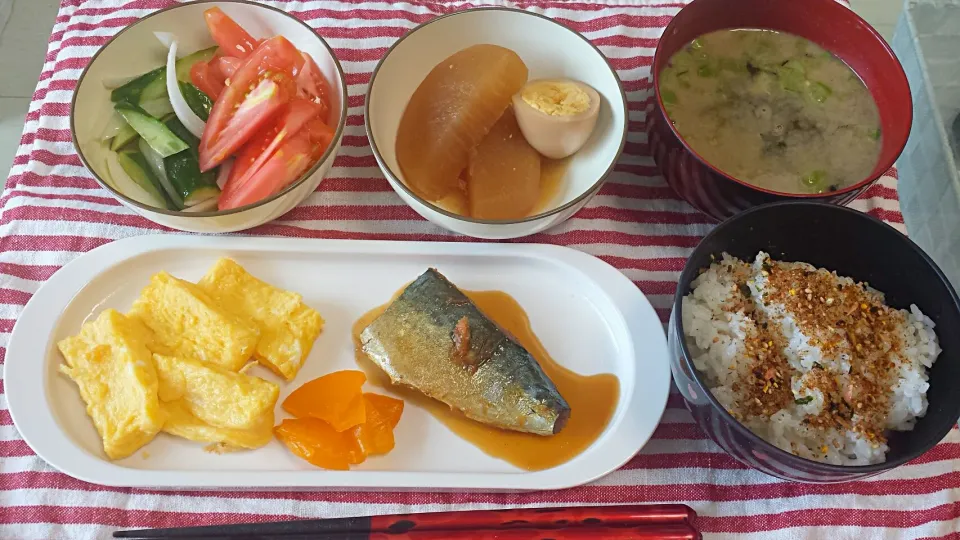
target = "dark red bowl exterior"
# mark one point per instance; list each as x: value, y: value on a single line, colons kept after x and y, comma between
x: 853, y: 244
x: 825, y: 22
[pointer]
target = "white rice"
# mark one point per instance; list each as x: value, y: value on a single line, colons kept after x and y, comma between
x: 716, y: 335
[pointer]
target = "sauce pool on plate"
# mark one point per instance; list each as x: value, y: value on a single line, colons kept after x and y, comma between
x: 592, y: 398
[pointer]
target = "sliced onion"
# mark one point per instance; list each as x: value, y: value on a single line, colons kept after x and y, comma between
x: 154, y: 159
x: 188, y: 118
x: 224, y: 173
x: 165, y: 38
x: 111, y: 83
x: 120, y: 181
x: 107, y: 173
x: 204, y: 206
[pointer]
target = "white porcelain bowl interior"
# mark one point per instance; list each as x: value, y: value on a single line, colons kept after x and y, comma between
x: 550, y: 50
x: 135, y: 50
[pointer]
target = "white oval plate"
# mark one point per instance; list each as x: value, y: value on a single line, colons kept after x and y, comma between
x: 589, y: 316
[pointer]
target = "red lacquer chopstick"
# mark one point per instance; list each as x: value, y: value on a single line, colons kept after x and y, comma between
x: 644, y: 532
x: 623, y: 519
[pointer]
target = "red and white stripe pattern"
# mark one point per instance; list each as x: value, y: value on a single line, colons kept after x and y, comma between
x: 52, y: 210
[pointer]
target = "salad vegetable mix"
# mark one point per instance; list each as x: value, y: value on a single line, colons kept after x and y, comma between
x: 219, y: 128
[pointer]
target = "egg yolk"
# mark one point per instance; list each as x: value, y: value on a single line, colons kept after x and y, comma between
x: 556, y: 98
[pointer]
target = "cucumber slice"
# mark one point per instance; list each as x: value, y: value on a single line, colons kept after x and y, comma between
x: 192, y: 186
x: 133, y: 90
x: 152, y: 85
x: 177, y: 128
x: 155, y: 90
x: 119, y: 180
x: 136, y: 169
x: 123, y: 137
x: 153, y: 160
x: 205, y: 206
x: 183, y: 170
x: 158, y: 167
x: 157, y: 135
x: 157, y: 108
x: 198, y: 102
x: 109, y: 164
x: 201, y: 194
x: 184, y: 64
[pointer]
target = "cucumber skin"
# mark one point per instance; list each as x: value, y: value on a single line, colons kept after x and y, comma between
x: 132, y: 91
x: 155, y: 79
x: 186, y: 63
x: 147, y: 180
x: 198, y: 102
x: 177, y: 128
x: 183, y: 169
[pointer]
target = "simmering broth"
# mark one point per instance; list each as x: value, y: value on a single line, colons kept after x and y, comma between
x: 772, y: 109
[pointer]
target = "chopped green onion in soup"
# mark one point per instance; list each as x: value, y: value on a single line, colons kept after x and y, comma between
x: 772, y: 109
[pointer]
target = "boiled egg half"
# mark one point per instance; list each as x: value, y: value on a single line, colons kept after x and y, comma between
x: 556, y: 116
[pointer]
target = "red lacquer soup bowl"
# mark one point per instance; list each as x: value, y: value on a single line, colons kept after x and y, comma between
x: 826, y: 23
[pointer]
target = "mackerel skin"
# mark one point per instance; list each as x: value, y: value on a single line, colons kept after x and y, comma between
x: 435, y: 339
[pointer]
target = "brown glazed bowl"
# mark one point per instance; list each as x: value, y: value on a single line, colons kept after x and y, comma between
x: 825, y: 22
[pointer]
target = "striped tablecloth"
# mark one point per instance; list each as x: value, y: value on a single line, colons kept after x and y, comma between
x: 52, y: 210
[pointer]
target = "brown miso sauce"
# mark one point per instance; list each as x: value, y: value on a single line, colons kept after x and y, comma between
x: 552, y: 172
x: 592, y: 398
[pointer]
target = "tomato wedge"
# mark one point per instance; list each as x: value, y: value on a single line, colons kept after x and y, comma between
x: 312, y: 84
x: 230, y: 36
x: 256, y: 109
x: 291, y: 159
x: 228, y: 65
x: 259, y: 148
x: 258, y: 89
x: 207, y: 79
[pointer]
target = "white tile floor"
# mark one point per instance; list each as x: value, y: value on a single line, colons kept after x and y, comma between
x: 25, y: 27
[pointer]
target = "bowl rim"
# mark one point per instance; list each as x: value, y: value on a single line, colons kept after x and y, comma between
x: 338, y: 135
x: 658, y: 59
x: 677, y: 310
x: 579, y: 199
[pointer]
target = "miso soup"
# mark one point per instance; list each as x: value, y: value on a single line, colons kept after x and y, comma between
x: 772, y: 109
